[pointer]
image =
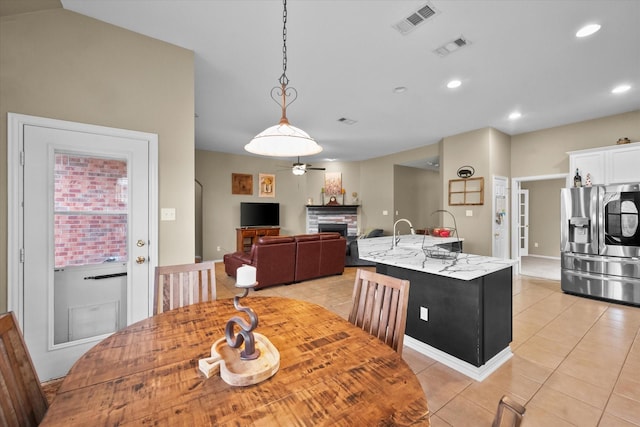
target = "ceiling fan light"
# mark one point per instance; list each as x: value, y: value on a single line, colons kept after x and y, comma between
x: 298, y: 170
x: 283, y: 140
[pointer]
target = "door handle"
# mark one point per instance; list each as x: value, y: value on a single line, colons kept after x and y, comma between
x: 140, y: 260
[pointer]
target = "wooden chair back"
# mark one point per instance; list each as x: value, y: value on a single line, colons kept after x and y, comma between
x: 184, y: 284
x: 379, y: 306
x: 22, y: 401
x: 509, y: 413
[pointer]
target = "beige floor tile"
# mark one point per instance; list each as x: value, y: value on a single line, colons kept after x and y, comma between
x: 628, y: 387
x: 441, y: 384
x: 513, y: 383
x: 579, y: 389
x: 417, y: 361
x: 542, y: 352
x: 624, y: 408
x: 436, y: 421
x: 536, y: 416
x: 462, y: 412
x: 566, y: 407
x: 528, y: 369
x: 589, y: 371
x: 609, y: 420
x: 488, y: 395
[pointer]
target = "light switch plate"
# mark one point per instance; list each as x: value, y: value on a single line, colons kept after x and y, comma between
x: 168, y: 214
x: 424, y: 314
x: 469, y: 212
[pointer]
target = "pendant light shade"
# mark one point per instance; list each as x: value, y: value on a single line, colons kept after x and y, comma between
x: 283, y: 140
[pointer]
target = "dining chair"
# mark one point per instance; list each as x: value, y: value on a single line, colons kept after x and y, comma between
x: 184, y: 284
x: 379, y: 306
x: 509, y: 413
x: 22, y: 401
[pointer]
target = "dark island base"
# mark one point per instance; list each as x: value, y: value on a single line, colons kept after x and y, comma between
x: 468, y: 319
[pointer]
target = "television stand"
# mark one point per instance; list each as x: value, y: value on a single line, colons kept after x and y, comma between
x: 246, y: 237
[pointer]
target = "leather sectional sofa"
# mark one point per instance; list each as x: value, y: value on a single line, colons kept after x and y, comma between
x: 289, y: 259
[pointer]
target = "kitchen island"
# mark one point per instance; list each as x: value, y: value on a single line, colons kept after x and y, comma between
x: 460, y: 305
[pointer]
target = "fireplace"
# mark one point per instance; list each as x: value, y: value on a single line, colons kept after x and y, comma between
x: 340, y: 215
x: 340, y: 228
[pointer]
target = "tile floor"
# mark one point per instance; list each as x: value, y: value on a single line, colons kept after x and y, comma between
x: 576, y: 361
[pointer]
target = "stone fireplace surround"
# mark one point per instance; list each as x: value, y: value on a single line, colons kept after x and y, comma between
x: 338, y: 214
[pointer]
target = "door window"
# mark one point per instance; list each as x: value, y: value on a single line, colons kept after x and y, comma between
x: 90, y: 213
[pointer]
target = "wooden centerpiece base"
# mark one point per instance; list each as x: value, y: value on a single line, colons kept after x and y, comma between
x: 237, y: 372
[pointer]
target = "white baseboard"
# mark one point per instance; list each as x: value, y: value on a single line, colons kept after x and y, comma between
x: 555, y: 258
x: 473, y: 372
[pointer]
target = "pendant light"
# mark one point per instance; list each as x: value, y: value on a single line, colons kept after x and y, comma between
x: 283, y: 140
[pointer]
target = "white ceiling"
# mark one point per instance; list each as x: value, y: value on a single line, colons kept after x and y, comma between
x: 345, y: 58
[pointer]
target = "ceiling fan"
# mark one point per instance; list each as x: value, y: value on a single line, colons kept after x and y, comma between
x: 302, y: 168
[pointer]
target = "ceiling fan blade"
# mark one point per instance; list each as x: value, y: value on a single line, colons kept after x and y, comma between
x: 315, y: 169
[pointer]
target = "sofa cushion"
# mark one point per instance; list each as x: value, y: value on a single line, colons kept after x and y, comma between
x: 274, y: 240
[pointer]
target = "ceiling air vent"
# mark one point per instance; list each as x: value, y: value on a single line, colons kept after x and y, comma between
x: 416, y: 18
x: 347, y: 121
x: 451, y: 46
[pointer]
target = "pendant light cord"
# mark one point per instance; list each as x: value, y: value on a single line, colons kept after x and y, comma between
x: 284, y: 80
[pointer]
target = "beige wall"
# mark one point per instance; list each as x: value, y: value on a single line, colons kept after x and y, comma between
x: 544, y: 152
x: 544, y: 214
x: 377, y: 185
x: 58, y: 64
x: 470, y: 148
x: 416, y: 195
x: 488, y: 151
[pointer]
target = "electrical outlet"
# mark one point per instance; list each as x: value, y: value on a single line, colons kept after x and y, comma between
x: 469, y: 212
x: 535, y: 244
x: 385, y: 212
x: 424, y: 314
x: 218, y: 248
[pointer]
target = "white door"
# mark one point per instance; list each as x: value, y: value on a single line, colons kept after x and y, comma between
x: 523, y: 223
x: 500, y: 226
x: 85, y: 240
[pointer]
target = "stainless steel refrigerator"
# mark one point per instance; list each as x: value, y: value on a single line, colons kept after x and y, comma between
x: 600, y: 242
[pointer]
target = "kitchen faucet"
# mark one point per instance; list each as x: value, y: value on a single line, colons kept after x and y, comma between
x: 395, y: 240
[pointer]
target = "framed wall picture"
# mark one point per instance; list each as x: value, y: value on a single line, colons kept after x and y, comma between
x: 267, y: 187
x: 242, y: 183
x: 332, y: 183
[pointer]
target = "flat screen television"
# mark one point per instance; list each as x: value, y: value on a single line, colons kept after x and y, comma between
x: 254, y: 214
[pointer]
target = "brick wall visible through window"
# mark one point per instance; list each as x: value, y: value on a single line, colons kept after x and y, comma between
x: 90, y: 205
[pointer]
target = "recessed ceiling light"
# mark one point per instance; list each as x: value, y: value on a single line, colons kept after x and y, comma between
x: 621, y: 89
x: 515, y: 115
x: 587, y: 30
x: 399, y: 89
x: 454, y: 84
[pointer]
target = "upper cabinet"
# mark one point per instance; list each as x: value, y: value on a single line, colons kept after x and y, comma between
x: 616, y: 164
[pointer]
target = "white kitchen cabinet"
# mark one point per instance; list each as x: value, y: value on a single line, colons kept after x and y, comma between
x: 607, y: 165
x: 591, y: 163
x: 623, y: 165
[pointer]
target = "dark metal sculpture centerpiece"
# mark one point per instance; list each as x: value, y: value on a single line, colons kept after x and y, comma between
x: 246, y: 328
x: 259, y: 360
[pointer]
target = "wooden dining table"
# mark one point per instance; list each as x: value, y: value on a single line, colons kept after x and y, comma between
x: 331, y: 373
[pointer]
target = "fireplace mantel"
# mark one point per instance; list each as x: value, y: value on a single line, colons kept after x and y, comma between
x: 332, y: 206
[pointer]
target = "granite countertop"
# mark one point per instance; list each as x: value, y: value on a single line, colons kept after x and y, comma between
x: 411, y: 250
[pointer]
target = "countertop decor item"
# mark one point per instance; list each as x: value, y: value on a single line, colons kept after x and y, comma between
x: 466, y: 171
x: 623, y: 141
